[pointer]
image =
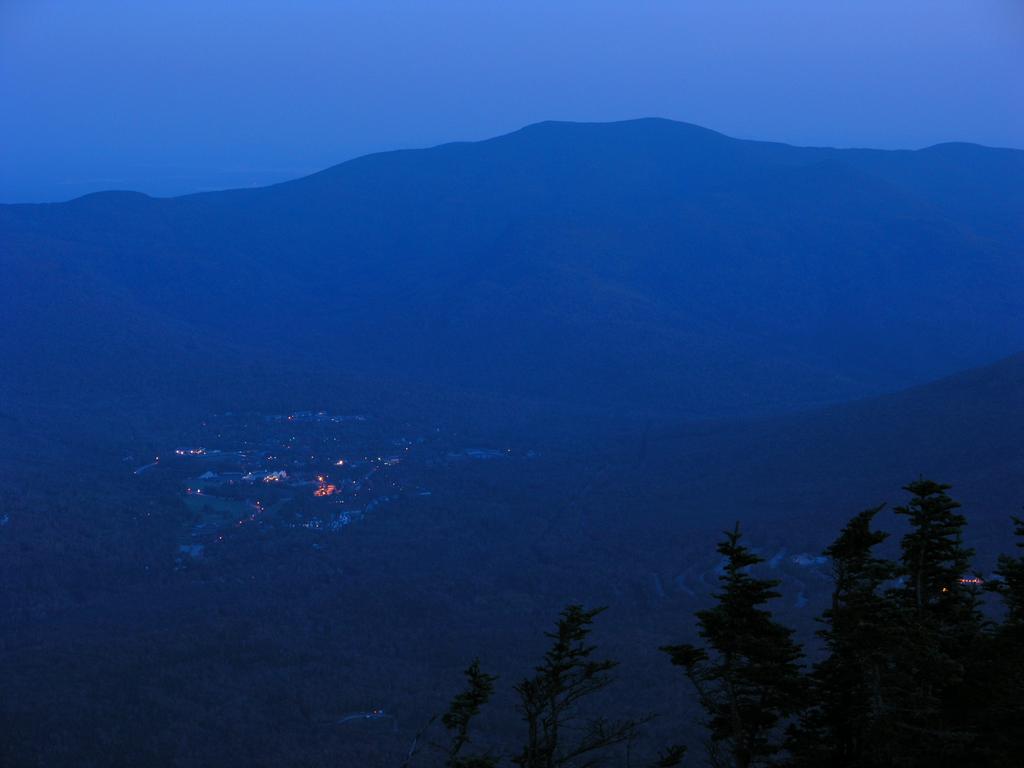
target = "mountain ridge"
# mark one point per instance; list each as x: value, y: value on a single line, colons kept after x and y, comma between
x: 548, y: 125
x: 645, y: 265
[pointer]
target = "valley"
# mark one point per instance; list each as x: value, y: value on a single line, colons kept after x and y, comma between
x: 312, y: 470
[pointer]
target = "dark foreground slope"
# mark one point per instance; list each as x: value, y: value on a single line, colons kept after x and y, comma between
x: 645, y: 265
x: 250, y: 654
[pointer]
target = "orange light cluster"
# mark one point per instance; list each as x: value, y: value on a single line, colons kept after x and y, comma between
x: 325, y: 489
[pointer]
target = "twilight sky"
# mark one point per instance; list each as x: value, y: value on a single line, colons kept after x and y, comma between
x: 174, y: 96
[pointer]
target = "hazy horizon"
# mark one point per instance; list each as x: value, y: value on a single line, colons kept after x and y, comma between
x: 222, y: 99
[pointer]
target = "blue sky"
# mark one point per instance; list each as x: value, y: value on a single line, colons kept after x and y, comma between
x: 172, y: 97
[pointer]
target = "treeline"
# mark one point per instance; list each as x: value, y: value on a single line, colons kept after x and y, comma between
x: 916, y: 671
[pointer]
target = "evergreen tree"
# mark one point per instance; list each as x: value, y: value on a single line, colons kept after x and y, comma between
x: 933, y: 554
x: 749, y: 680
x: 939, y: 632
x: 557, y: 734
x: 999, y: 703
x: 847, y: 724
x: 463, y: 709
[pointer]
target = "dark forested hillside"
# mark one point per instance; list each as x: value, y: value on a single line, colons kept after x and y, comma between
x: 795, y: 466
x: 645, y: 265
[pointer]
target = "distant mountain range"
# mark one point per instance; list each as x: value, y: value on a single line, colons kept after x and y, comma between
x: 643, y: 266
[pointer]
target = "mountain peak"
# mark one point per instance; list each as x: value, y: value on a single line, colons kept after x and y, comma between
x: 635, y: 127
